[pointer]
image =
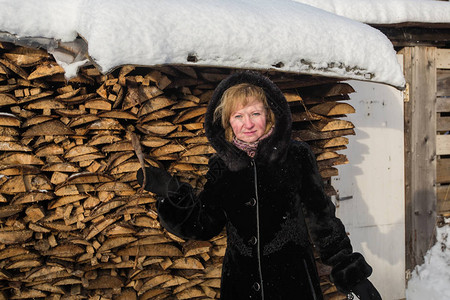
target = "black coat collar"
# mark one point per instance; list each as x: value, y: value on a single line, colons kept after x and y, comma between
x: 271, y: 149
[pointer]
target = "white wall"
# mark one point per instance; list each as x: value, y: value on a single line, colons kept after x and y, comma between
x: 373, y: 183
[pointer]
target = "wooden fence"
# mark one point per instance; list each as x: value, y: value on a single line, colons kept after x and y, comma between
x: 427, y: 146
x: 443, y: 131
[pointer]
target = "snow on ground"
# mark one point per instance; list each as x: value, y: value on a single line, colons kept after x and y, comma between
x: 431, y: 280
x: 234, y: 33
x: 387, y: 11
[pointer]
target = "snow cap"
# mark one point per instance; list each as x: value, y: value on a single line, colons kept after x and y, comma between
x: 244, y: 34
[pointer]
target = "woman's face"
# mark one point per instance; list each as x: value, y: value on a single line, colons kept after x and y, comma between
x: 249, y: 122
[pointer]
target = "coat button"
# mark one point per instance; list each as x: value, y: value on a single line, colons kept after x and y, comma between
x: 253, y: 240
x: 252, y: 202
x: 256, y: 286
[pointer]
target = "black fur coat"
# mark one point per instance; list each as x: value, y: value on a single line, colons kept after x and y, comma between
x: 262, y: 202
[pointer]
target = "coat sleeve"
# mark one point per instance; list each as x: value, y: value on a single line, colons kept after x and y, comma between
x: 192, y: 216
x: 327, y: 231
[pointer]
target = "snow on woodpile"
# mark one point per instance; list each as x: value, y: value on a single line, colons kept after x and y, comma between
x: 263, y: 34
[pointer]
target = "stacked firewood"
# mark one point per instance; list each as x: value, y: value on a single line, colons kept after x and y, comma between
x: 74, y: 222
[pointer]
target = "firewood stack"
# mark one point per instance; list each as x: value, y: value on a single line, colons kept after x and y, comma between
x: 74, y: 223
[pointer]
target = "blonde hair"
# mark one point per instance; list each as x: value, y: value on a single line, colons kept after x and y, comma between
x: 239, y: 95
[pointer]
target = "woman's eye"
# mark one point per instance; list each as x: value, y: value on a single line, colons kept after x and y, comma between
x: 238, y: 116
x: 256, y: 114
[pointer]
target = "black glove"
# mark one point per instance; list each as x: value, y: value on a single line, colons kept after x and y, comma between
x: 366, y: 291
x: 158, y: 181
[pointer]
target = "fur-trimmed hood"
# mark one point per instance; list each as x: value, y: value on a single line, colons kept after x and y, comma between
x: 271, y: 149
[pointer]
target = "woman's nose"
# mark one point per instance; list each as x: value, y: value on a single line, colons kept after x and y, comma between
x: 248, y: 123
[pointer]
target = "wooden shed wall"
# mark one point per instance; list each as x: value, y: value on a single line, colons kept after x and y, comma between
x: 74, y: 223
x: 427, y: 146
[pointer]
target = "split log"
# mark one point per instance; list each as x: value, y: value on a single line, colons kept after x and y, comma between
x: 10, y: 120
x: 50, y: 128
x: 159, y: 128
x: 187, y: 263
x: 155, y: 104
x: 45, y: 104
x: 14, y: 146
x: 327, y: 90
x: 189, y: 114
x: 331, y: 125
x: 10, y: 210
x: 26, y: 57
x: 25, y: 183
x: 332, y: 109
x: 14, y: 68
x: 190, y: 293
x: 192, y: 248
x: 105, y: 282
x: 15, y: 236
x: 6, y: 99
x: 37, y: 119
x: 151, y: 250
x: 45, y: 70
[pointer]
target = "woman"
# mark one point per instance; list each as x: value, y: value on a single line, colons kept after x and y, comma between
x: 259, y: 185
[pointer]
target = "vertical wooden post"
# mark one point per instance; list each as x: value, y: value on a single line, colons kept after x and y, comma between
x: 420, y: 152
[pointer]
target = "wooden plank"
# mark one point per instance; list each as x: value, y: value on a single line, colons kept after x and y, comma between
x: 442, y: 104
x: 443, y: 83
x: 443, y: 199
x: 443, y: 58
x: 420, y: 141
x: 443, y: 145
x: 443, y: 170
x: 412, y: 34
x: 443, y: 123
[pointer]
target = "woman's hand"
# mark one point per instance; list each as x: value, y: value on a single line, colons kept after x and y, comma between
x: 366, y: 291
x: 158, y: 181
